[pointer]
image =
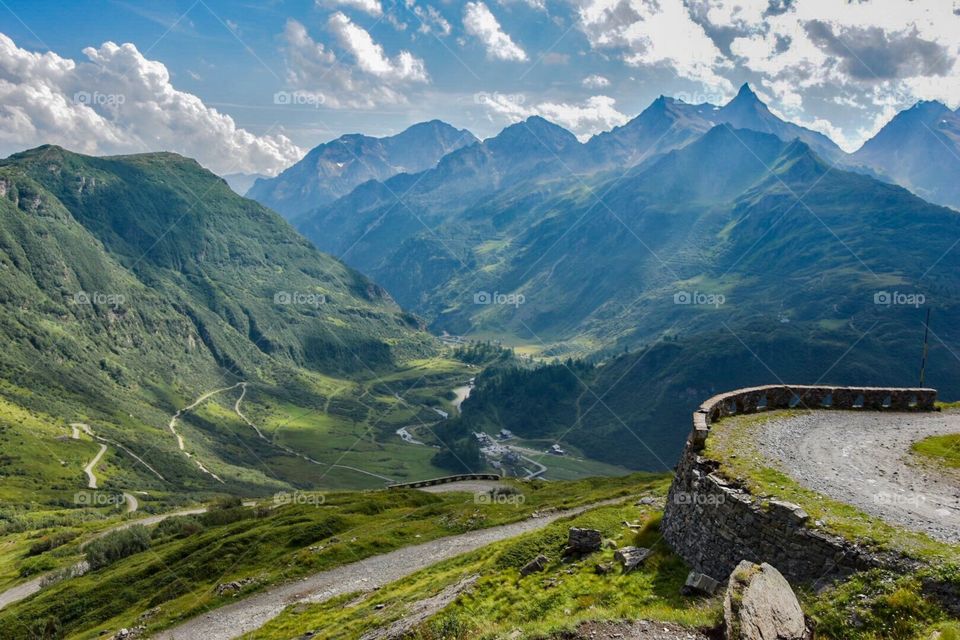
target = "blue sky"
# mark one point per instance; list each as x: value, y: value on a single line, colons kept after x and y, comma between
x: 251, y: 86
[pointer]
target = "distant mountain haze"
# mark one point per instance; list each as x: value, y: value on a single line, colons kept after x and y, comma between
x: 920, y: 149
x: 335, y: 168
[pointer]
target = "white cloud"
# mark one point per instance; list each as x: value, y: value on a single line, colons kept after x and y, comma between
x: 373, y: 80
x: 367, y: 6
x: 649, y: 34
x: 431, y: 20
x: 540, y: 5
x: 878, y: 56
x: 405, y: 67
x: 117, y: 101
x: 595, y: 82
x: 597, y: 114
x: 480, y: 23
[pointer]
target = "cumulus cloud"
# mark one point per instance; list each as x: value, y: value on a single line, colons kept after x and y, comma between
x: 367, y: 6
x: 661, y: 34
x: 596, y: 114
x: 370, y: 80
x: 118, y: 101
x: 858, y: 48
x: 480, y: 23
x: 404, y: 67
x: 595, y: 82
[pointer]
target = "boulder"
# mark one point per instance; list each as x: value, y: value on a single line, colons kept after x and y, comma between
x: 537, y: 564
x: 631, y: 557
x: 700, y: 584
x: 580, y: 542
x: 603, y: 568
x: 760, y: 605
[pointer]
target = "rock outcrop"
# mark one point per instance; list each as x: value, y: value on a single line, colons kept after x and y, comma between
x: 580, y: 542
x: 537, y: 564
x: 760, y: 605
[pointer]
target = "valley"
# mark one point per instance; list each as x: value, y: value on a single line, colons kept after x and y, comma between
x: 433, y: 386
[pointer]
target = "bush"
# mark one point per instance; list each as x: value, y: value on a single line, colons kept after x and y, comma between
x: 33, y: 566
x: 117, y: 545
x: 52, y: 541
x: 177, y: 527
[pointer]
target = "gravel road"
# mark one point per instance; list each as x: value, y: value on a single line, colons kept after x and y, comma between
x: 864, y: 459
x: 238, y: 618
x: 469, y: 486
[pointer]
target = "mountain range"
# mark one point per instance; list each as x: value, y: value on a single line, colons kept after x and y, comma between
x: 333, y: 169
x: 697, y: 233
x: 692, y: 244
x: 920, y: 149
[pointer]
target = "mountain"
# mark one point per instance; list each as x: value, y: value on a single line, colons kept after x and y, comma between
x: 737, y: 234
x: 666, y: 124
x: 241, y: 182
x: 132, y: 285
x: 747, y: 111
x: 333, y: 169
x: 669, y: 124
x: 386, y: 227
x: 920, y: 149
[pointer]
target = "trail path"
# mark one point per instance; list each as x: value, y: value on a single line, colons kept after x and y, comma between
x: 91, y: 477
x: 864, y: 459
x: 27, y: 589
x: 180, y: 444
x: 249, y: 614
x: 236, y: 408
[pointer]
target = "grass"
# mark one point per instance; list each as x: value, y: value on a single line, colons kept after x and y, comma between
x: 879, y: 605
x: 940, y: 450
x: 179, y: 573
x: 502, y: 604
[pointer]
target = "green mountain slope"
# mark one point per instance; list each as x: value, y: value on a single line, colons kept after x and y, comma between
x: 132, y: 286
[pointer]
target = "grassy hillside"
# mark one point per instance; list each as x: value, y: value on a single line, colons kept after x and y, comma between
x: 137, y: 286
x: 275, y: 541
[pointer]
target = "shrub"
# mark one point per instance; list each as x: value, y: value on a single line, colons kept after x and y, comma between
x: 52, y: 541
x: 177, y: 527
x: 34, y: 566
x: 117, y: 545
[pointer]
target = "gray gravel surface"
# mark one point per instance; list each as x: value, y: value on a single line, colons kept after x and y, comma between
x: 469, y: 486
x: 864, y: 459
x: 238, y: 618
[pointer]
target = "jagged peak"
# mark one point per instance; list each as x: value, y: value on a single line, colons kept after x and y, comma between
x: 746, y: 93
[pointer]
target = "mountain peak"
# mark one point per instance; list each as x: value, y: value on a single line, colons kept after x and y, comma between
x: 930, y: 107
x: 746, y: 93
x: 540, y: 130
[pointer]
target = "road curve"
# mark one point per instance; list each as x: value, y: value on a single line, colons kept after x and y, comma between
x: 864, y: 459
x: 249, y: 614
x: 91, y: 477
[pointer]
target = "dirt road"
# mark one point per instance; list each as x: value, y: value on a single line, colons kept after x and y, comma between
x: 864, y: 459
x: 251, y: 613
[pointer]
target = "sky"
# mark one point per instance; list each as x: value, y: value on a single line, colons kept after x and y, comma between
x: 249, y: 87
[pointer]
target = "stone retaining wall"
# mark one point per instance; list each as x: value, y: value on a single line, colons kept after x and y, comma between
x: 713, y: 524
